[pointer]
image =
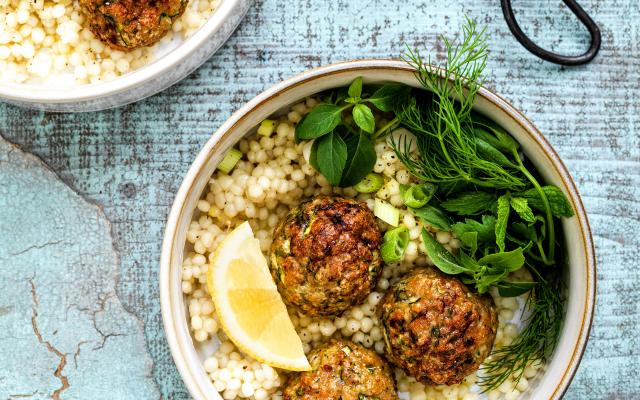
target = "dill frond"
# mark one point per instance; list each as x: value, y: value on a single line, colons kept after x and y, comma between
x: 444, y: 128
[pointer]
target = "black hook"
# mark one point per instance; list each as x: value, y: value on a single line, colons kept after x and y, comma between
x: 528, y: 44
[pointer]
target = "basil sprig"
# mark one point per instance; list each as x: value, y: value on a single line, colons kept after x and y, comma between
x: 343, y: 151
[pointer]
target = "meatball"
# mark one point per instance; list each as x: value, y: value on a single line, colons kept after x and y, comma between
x: 129, y: 24
x: 343, y: 370
x: 325, y: 256
x: 435, y: 328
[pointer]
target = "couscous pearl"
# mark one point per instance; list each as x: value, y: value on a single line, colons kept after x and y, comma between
x: 210, y: 364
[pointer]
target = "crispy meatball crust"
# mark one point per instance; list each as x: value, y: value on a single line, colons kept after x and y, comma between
x: 343, y: 370
x: 129, y: 24
x: 435, y: 328
x: 325, y: 256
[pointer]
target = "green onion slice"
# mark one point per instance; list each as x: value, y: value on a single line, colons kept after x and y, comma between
x: 394, y: 244
x: 369, y: 184
x: 416, y: 196
x: 229, y: 161
x: 386, y: 212
x: 267, y: 127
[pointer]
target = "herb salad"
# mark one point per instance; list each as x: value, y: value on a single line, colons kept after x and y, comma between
x: 470, y: 179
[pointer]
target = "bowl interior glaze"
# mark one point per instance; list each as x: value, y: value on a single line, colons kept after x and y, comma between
x: 581, y: 266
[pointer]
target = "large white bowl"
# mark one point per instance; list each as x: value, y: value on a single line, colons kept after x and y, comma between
x: 143, y: 82
x: 581, y: 272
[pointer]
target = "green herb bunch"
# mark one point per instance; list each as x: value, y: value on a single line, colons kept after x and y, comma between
x: 343, y: 148
x: 473, y: 181
x: 488, y: 197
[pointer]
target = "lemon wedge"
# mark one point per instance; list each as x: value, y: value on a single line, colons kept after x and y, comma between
x: 249, y: 306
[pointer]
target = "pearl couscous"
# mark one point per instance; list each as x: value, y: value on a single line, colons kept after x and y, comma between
x: 45, y: 41
x: 274, y: 176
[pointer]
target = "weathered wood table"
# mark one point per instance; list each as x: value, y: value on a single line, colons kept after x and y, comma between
x: 83, y: 198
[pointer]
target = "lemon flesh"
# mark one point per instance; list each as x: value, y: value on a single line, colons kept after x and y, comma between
x: 249, y: 306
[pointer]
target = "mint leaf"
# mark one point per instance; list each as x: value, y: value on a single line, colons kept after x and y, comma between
x: 560, y: 206
x: 363, y: 117
x: 433, y: 216
x: 521, y: 206
x: 361, y: 158
x: 355, y: 89
x: 492, y: 154
x: 485, y: 230
x: 514, y: 289
x: 484, y: 281
x: 441, y: 258
x: 493, y: 133
x: 320, y: 121
x: 470, y: 241
x: 471, y: 203
x: 389, y: 96
x: 332, y: 157
x: 504, y: 209
x: 504, y: 261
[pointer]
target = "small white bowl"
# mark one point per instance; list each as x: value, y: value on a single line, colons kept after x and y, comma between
x: 581, y: 269
x: 170, y: 68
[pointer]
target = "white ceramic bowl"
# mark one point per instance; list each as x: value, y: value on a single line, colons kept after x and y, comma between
x: 581, y: 271
x: 177, y: 63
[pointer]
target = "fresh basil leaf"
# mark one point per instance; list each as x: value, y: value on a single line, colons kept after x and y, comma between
x: 504, y: 209
x: 355, y: 89
x: 320, y: 121
x: 332, y: 157
x: 485, y: 230
x: 490, y: 153
x: 558, y: 202
x: 363, y: 117
x: 470, y: 203
x: 514, y: 289
x: 521, y: 206
x: 361, y: 158
x: 433, y: 216
x: 313, y: 156
x: 445, y: 261
x: 509, y: 261
x: 389, y: 95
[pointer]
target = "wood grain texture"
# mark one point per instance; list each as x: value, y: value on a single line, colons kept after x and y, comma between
x: 131, y: 160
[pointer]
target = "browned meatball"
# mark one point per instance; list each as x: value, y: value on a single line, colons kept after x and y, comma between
x: 129, y: 24
x: 325, y: 256
x: 435, y: 328
x: 343, y: 370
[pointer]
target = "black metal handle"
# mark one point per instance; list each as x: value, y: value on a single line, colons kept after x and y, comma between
x: 528, y: 44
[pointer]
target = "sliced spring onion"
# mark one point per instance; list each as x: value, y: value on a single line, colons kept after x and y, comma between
x: 394, y: 244
x: 416, y: 196
x: 386, y: 212
x: 267, y: 127
x: 229, y: 161
x: 369, y: 184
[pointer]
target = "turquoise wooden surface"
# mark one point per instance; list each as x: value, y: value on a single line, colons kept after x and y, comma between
x: 81, y: 221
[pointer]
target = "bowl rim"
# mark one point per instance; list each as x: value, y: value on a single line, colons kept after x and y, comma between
x: 214, y: 142
x: 38, y: 93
